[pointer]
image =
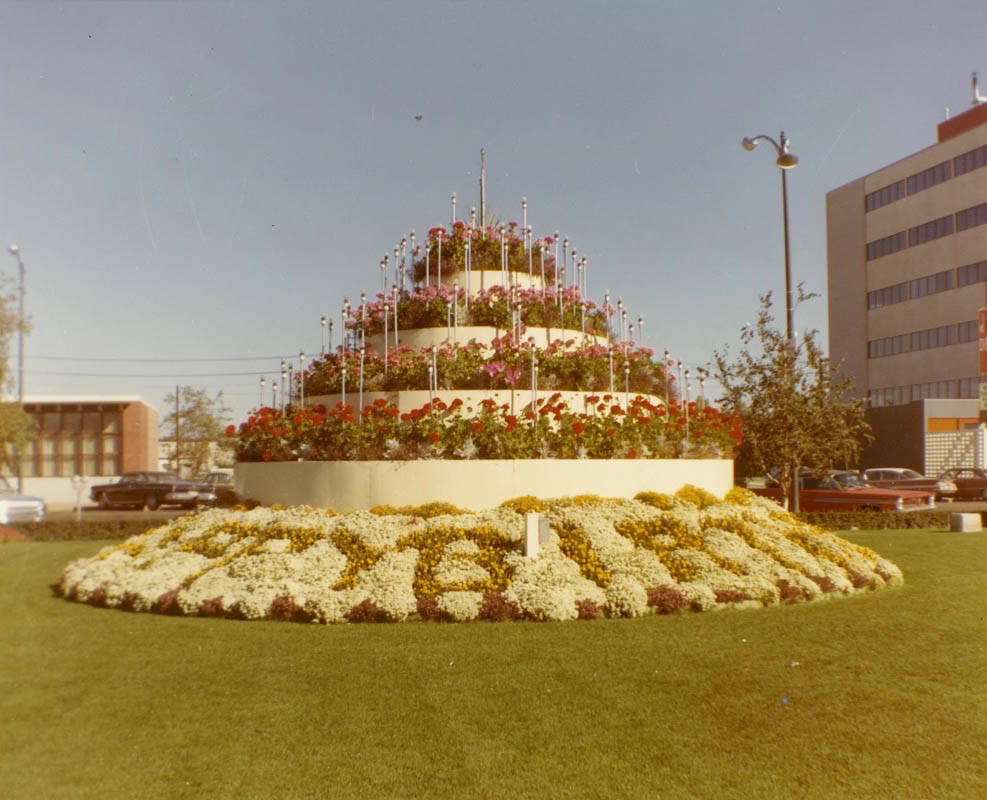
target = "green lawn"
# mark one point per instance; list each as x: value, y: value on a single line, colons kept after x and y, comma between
x: 881, y: 695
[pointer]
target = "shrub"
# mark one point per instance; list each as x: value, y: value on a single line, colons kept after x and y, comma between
x: 665, y: 502
x: 366, y: 611
x: 168, y: 603
x: 667, y: 599
x: 588, y: 609
x: 875, y: 520
x: 64, y: 530
x: 211, y: 608
x: 425, y: 511
x: 525, y: 503
x: 789, y: 593
x: 496, y: 608
x: 731, y: 595
x: 700, y: 498
x: 284, y: 608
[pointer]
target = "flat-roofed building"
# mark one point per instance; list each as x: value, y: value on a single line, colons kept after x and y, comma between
x: 907, y: 269
x: 93, y: 436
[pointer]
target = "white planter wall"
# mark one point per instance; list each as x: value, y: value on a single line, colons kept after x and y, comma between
x: 350, y: 485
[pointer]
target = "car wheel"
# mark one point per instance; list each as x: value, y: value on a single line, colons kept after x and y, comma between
x: 150, y: 502
x: 104, y: 502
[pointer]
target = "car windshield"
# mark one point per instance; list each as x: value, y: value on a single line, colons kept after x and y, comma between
x: 849, y: 480
x: 910, y: 474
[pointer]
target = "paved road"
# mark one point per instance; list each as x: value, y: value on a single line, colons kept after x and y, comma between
x: 94, y: 514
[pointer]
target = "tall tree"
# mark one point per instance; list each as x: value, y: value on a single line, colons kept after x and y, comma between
x: 17, y: 428
x: 797, y: 409
x: 200, y: 422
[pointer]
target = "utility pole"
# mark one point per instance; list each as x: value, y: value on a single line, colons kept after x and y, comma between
x: 178, y: 433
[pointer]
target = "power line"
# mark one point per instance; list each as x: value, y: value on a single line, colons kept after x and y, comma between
x: 155, y: 360
x: 146, y: 375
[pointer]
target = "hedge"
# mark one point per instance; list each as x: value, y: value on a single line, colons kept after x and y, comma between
x: 875, y: 520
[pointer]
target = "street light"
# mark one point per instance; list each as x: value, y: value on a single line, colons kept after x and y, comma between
x: 784, y: 162
x: 15, y: 251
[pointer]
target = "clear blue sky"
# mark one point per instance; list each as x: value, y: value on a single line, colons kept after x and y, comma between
x: 205, y: 180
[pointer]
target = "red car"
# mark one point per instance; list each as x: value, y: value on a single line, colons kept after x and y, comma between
x: 971, y: 483
x: 845, y: 491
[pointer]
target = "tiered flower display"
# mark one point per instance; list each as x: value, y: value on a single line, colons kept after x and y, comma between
x: 579, y: 385
x: 619, y: 558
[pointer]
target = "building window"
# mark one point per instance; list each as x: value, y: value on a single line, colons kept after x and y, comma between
x: 882, y: 197
x: 888, y: 346
x: 971, y: 273
x: 74, y: 440
x: 928, y: 231
x: 887, y: 245
x: 899, y: 395
x: 932, y: 338
x: 931, y: 284
x: 971, y: 217
x: 967, y: 331
x: 887, y: 296
x: 929, y: 177
x: 967, y: 162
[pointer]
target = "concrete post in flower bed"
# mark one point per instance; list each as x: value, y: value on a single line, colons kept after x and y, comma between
x: 965, y: 523
x: 531, y: 542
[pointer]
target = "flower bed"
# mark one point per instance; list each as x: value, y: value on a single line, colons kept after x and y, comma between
x: 432, y: 307
x: 605, y: 429
x: 563, y: 365
x: 656, y: 554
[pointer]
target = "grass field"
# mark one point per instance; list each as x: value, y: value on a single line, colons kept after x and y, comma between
x: 881, y: 695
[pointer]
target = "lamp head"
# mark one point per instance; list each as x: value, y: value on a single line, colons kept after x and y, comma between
x: 747, y: 143
x: 787, y: 161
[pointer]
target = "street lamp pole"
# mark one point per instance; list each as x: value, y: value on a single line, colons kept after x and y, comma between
x: 16, y: 253
x: 785, y: 161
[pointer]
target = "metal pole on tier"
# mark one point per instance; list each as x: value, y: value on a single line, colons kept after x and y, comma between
x: 610, y: 358
x: 262, y: 382
x: 301, y: 377
x: 274, y: 394
x: 397, y: 296
x: 363, y: 355
x: 324, y: 321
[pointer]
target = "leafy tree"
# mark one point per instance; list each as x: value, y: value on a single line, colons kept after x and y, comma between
x: 797, y: 409
x: 201, y: 420
x: 16, y: 427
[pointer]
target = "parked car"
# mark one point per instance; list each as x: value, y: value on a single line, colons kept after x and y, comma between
x: 16, y: 507
x: 152, y: 489
x: 845, y: 491
x: 971, y: 483
x: 901, y: 478
x: 222, y: 485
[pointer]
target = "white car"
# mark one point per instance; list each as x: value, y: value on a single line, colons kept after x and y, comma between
x: 901, y: 478
x: 19, y: 507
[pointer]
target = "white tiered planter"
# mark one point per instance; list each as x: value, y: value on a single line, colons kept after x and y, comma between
x: 351, y: 485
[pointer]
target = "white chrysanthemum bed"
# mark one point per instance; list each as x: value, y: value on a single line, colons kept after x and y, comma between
x: 658, y: 554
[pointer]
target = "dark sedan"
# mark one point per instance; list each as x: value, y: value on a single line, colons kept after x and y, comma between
x: 971, y: 483
x: 222, y: 484
x: 152, y: 489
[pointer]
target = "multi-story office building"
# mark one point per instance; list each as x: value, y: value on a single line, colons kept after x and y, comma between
x: 907, y: 269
